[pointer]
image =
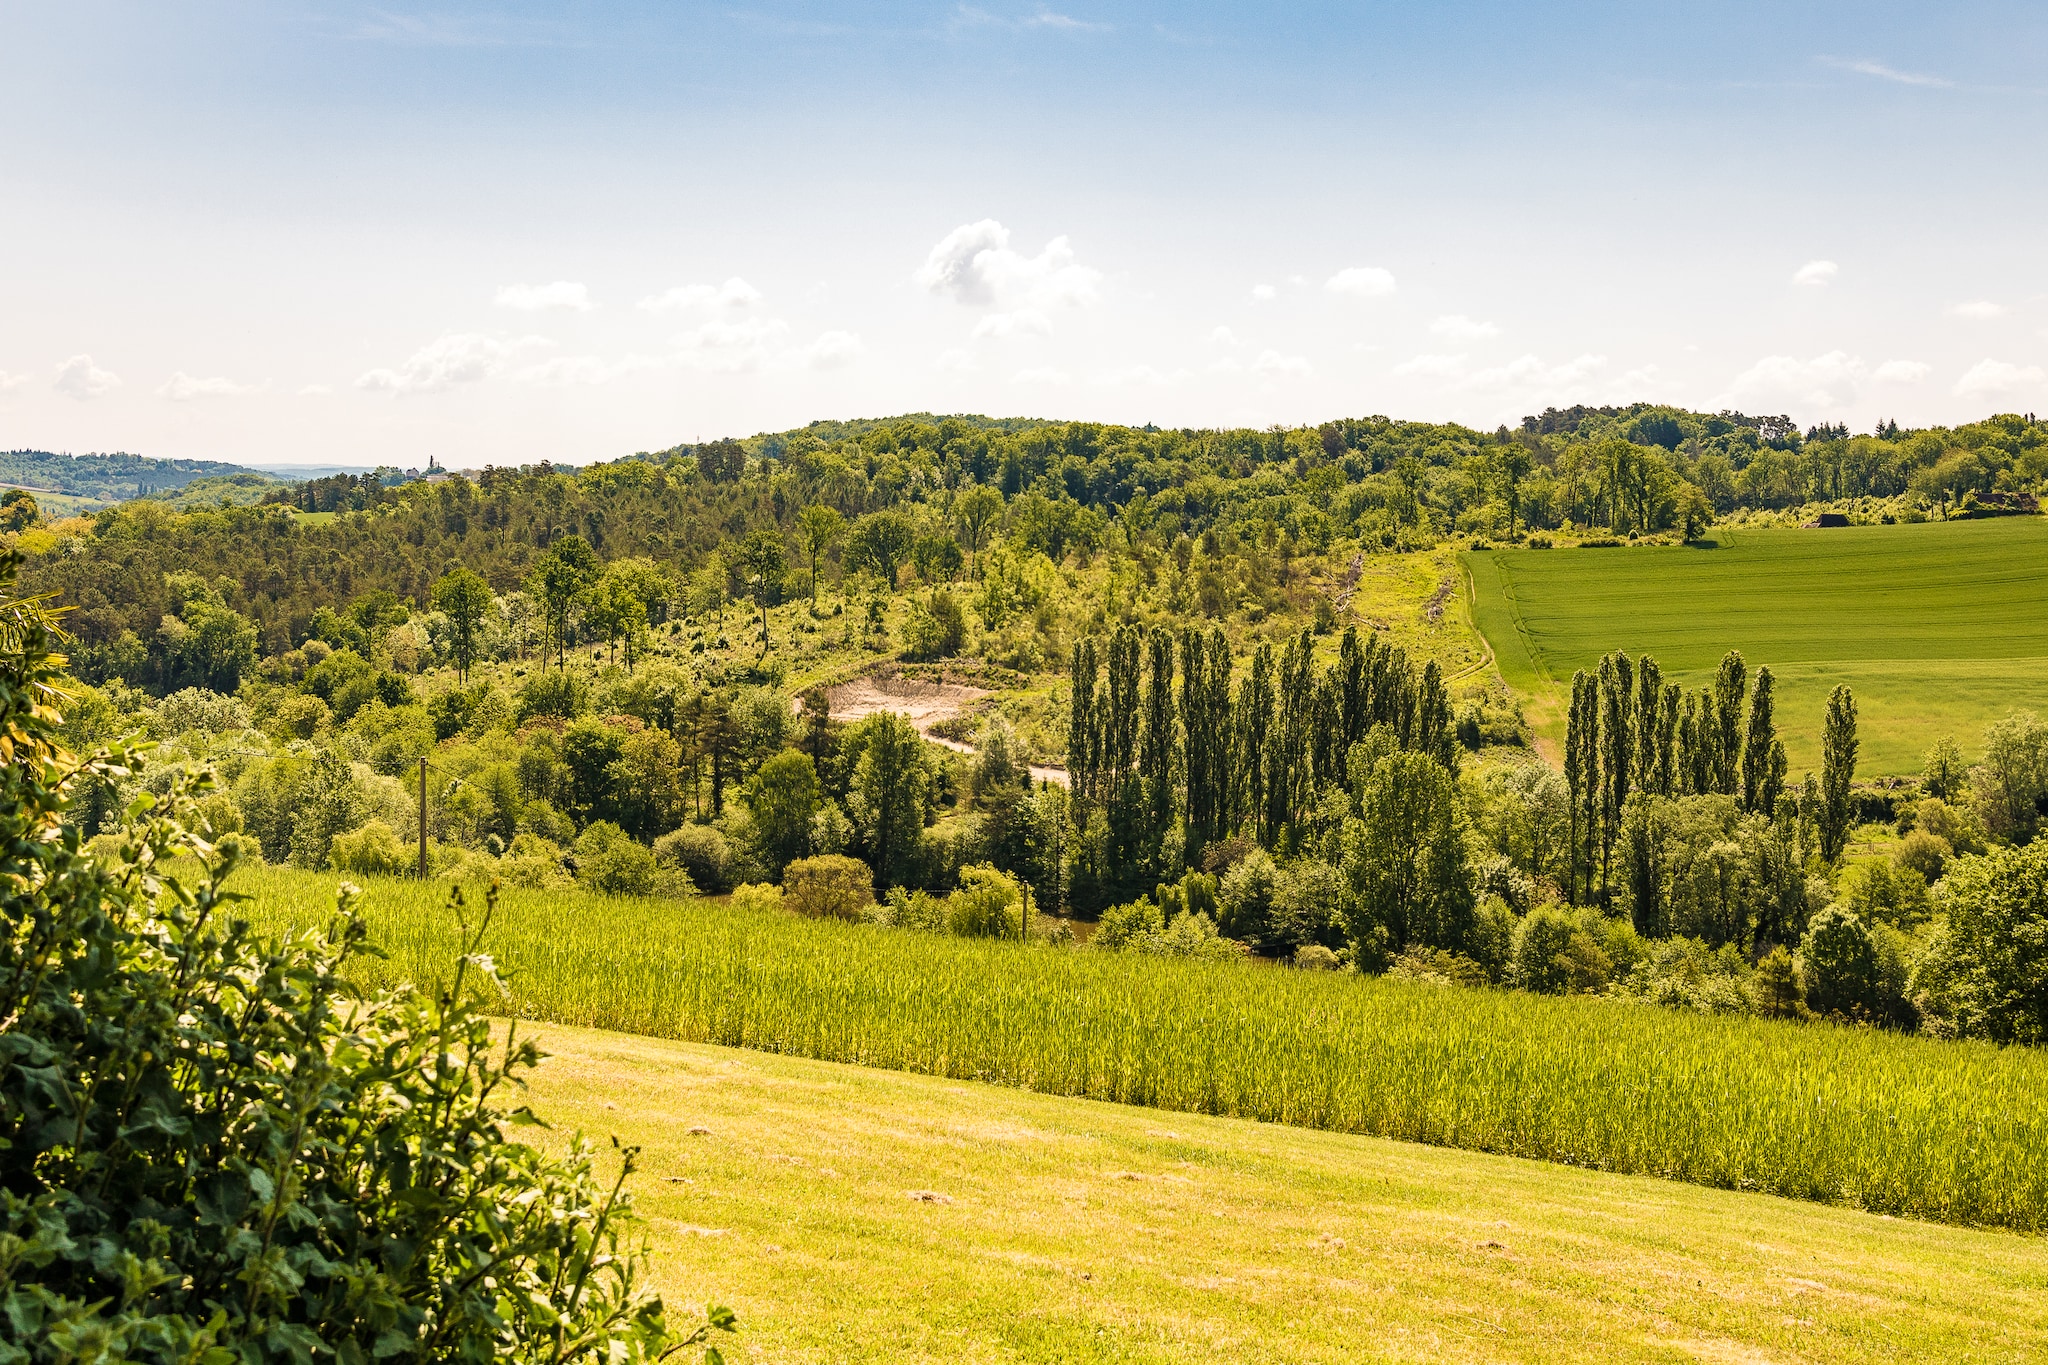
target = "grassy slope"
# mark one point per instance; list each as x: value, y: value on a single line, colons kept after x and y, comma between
x: 1080, y: 1231
x: 1901, y: 1125
x: 1939, y: 628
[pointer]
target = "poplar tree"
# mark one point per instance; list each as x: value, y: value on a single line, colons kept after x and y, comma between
x: 1353, y: 696
x: 1197, y: 725
x: 1159, y: 738
x: 1287, y: 745
x: 1645, y: 723
x: 1083, y: 735
x: 1756, y: 746
x: 1581, y: 778
x: 1616, y: 675
x: 1667, y: 740
x: 1837, y: 771
x: 1731, y: 682
x: 1254, y: 717
x: 1222, y: 772
x: 1434, y: 734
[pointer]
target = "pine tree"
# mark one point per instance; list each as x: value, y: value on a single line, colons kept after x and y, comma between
x: 1731, y: 682
x: 1756, y: 745
x: 1838, y: 770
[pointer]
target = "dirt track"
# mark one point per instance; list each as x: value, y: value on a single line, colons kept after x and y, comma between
x: 924, y: 704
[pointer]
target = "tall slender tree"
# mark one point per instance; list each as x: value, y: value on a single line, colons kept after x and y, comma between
x: 1757, y: 740
x: 1731, y: 683
x: 1582, y: 781
x: 1646, y: 723
x: 1837, y: 771
x: 1254, y: 715
x: 1616, y: 675
x: 1160, y: 741
x: 1083, y: 758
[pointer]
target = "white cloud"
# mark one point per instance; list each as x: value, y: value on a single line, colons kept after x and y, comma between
x: 1886, y: 73
x: 973, y: 16
x: 1978, y: 310
x: 1023, y: 322
x: 729, y: 347
x: 826, y: 351
x: 1264, y: 293
x: 10, y: 382
x: 1900, y: 372
x: 315, y: 391
x: 1042, y: 375
x: 975, y: 265
x: 1826, y: 381
x: 1433, y: 366
x: 1989, y: 377
x: 1141, y: 376
x: 1274, y: 364
x: 183, y: 388
x: 535, y: 298
x: 1361, y: 282
x: 1524, y: 375
x: 564, y: 371
x: 79, y: 378
x: 1458, y: 327
x: 1816, y: 273
x: 1223, y: 336
x: 956, y: 360
x: 1530, y: 374
x: 450, y: 360
x: 734, y: 294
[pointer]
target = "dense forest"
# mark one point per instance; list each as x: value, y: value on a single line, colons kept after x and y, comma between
x: 105, y: 477
x: 621, y: 675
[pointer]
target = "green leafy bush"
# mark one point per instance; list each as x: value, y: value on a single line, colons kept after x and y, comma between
x: 830, y: 884
x: 214, y: 1150
x: 375, y: 850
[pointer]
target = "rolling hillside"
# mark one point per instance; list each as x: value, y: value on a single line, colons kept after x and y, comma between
x: 1939, y: 628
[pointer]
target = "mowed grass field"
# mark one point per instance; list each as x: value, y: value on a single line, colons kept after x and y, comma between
x: 1888, y: 1124
x: 849, y: 1214
x: 1939, y: 628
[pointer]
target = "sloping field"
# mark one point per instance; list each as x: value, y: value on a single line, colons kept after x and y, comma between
x: 1940, y: 628
x: 1952, y: 1131
x: 849, y: 1214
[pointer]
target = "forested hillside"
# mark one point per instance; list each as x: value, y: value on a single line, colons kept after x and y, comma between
x: 1243, y: 655
x: 105, y: 478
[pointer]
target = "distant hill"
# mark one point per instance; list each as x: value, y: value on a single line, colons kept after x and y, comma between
x: 104, y: 478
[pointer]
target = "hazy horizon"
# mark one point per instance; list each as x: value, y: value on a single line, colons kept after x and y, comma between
x: 344, y: 234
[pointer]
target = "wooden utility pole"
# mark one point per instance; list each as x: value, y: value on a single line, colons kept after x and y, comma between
x: 423, y: 819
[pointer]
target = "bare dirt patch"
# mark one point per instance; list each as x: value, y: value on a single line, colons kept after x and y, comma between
x: 924, y: 704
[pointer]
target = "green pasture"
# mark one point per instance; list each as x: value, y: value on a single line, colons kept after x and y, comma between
x: 853, y: 1214
x: 1946, y: 1131
x: 1939, y: 628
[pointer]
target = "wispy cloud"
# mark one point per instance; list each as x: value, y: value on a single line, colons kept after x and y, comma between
x: 1989, y: 378
x: 431, y: 29
x: 449, y: 361
x: 183, y: 388
x: 972, y: 17
x: 1978, y: 310
x: 1458, y: 327
x: 1814, y: 274
x: 534, y: 298
x: 1361, y: 282
x: 1865, y: 67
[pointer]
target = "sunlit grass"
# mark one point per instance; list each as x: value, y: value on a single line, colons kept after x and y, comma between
x: 1875, y: 1121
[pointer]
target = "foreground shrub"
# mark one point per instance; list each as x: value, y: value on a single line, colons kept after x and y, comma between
x: 611, y: 861
x: 213, y: 1149
x: 702, y: 852
x: 1986, y: 972
x: 988, y: 904
x: 829, y: 885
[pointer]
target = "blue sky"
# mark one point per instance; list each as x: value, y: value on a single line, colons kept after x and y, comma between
x: 353, y: 233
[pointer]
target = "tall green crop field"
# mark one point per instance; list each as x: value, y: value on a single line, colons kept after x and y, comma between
x: 1937, y: 1130
x: 1940, y: 628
